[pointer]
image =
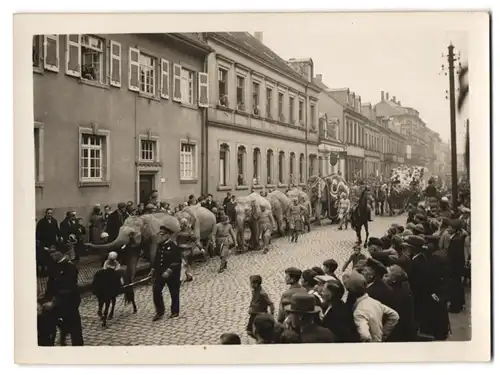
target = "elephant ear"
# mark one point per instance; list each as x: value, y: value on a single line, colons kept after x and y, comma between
x: 171, y: 223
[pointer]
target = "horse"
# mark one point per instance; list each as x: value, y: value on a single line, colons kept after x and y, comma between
x: 360, y: 216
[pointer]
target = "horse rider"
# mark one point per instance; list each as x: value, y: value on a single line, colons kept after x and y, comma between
x: 224, y: 230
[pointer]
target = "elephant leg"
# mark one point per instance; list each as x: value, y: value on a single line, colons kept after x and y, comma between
x: 254, y: 237
x: 112, y: 311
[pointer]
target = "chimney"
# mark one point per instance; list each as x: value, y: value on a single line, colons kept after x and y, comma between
x: 259, y: 35
x: 394, y: 99
x: 399, y: 102
x: 386, y: 96
x: 381, y: 96
x: 319, y: 77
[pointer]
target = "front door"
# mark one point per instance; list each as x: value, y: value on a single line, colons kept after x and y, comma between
x: 146, y: 186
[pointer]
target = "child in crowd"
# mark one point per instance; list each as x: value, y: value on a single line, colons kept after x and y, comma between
x: 229, y: 339
x: 260, y: 302
x: 355, y: 257
x: 330, y: 266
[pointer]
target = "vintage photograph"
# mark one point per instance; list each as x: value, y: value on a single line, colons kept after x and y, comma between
x: 281, y: 186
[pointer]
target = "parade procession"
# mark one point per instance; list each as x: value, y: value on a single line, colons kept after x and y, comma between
x: 243, y: 201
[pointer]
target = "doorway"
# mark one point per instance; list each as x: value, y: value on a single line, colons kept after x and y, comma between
x: 146, y: 186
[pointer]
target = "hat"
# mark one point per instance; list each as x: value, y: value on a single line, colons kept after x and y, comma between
x: 104, y: 235
x: 376, y: 266
x: 410, y: 226
x: 294, y: 272
x: 150, y: 206
x: 464, y: 210
x: 324, y: 278
x: 420, y: 217
x: 303, y: 303
x: 456, y: 224
x: 415, y: 242
x: 397, y: 274
x: 446, y: 221
x: 419, y: 228
x: 444, y: 199
x: 395, y: 225
x: 375, y: 242
x: 121, y: 205
x: 398, y: 240
x: 354, y: 281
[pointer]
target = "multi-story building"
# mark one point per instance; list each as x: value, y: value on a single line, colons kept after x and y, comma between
x: 373, y: 154
x: 263, y: 117
x: 392, y: 145
x: 411, y: 125
x: 331, y: 124
x: 116, y: 116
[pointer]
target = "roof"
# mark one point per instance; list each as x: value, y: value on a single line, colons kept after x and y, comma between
x: 250, y: 44
x: 194, y: 38
x: 320, y: 84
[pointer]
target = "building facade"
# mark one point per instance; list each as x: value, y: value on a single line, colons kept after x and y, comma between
x: 116, y: 116
x: 331, y: 149
x: 263, y: 117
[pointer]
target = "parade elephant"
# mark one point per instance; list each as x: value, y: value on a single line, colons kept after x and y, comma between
x: 279, y: 204
x: 249, y: 213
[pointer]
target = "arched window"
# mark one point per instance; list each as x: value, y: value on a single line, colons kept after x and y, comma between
x: 224, y: 164
x: 291, y: 168
x: 269, y: 162
x: 242, y: 161
x: 301, y: 168
x: 256, y: 166
x: 281, y: 167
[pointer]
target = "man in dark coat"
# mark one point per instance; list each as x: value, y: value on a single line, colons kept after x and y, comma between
x: 458, y: 259
x: 210, y: 203
x: 47, y: 235
x: 303, y: 313
x: 62, y: 291
x: 337, y: 316
x: 115, y: 221
x: 422, y: 286
x: 230, y: 208
x: 226, y: 201
x: 377, y: 288
x: 69, y: 226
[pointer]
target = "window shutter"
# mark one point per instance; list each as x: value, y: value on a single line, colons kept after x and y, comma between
x: 203, y: 90
x: 51, y: 52
x: 177, y: 83
x: 164, y: 79
x: 115, y: 66
x: 133, y: 69
x: 73, y: 55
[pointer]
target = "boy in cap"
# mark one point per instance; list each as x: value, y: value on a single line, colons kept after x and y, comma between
x: 376, y: 287
x: 292, y: 278
x: 260, y: 302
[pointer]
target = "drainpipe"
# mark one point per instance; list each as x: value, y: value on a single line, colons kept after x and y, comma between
x: 204, y: 137
x: 307, y: 131
x: 136, y: 153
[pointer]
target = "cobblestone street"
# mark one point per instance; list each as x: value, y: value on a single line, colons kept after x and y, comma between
x: 215, y: 303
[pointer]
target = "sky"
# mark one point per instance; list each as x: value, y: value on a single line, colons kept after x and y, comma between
x: 407, y: 64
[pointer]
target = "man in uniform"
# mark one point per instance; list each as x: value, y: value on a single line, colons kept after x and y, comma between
x: 295, y: 213
x: 223, y: 231
x: 166, y: 270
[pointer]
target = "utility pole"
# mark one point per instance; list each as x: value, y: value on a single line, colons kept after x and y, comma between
x: 453, y: 127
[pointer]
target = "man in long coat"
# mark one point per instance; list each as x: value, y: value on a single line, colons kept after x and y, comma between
x: 115, y: 221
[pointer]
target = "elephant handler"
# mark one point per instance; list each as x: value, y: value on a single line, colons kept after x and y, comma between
x: 223, y: 231
x: 166, y: 270
x: 266, y: 222
x: 296, y: 214
x: 186, y: 238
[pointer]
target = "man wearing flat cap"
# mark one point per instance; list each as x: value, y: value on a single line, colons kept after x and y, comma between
x: 458, y: 258
x: 422, y: 284
x: 376, y: 287
x: 292, y: 278
x: 303, y: 314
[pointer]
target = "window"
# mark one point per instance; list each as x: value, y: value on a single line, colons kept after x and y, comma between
x: 256, y: 98
x: 301, y: 168
x: 223, y: 164
x: 148, y: 150
x: 313, y: 116
x: 269, y: 162
x: 36, y: 51
x: 92, y: 55
x: 301, y: 112
x: 312, y: 159
x: 281, y: 167
x: 223, y: 87
x: 92, y: 158
x: 281, y: 98
x: 240, y: 92
x: 269, y: 101
x: 292, y: 168
x: 291, y: 116
x: 51, y: 52
x: 241, y: 162
x: 256, y: 166
x: 188, y: 161
x: 147, y: 74
x: 187, y: 86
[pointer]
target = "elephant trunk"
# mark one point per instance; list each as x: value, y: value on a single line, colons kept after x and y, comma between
x: 116, y: 244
